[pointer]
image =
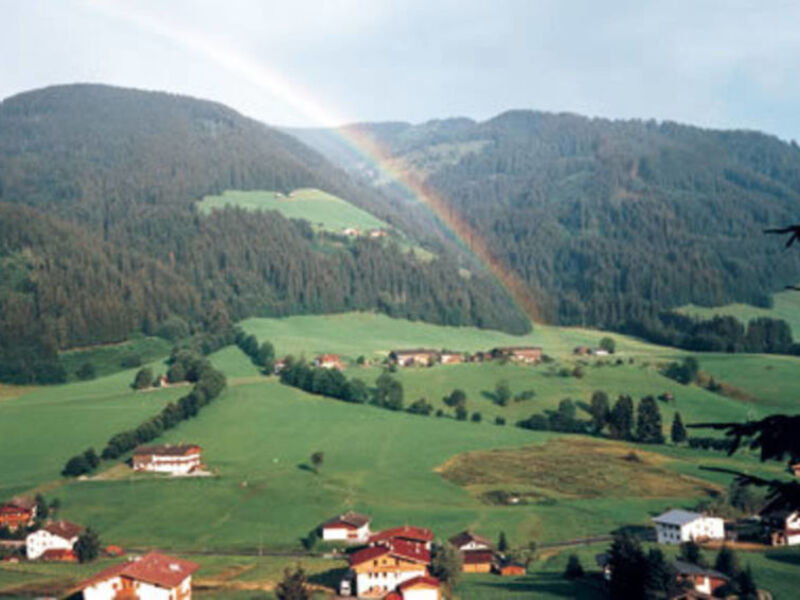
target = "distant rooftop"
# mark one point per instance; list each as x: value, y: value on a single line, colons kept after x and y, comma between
x: 677, y: 517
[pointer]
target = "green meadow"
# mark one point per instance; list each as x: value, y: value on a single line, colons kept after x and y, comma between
x: 330, y: 213
x: 109, y: 358
x: 258, y: 436
x: 786, y: 306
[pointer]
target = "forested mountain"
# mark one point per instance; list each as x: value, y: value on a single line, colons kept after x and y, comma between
x: 610, y: 220
x: 101, y: 235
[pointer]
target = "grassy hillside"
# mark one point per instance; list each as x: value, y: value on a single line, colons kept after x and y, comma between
x: 323, y: 210
x: 786, y: 306
x: 109, y: 358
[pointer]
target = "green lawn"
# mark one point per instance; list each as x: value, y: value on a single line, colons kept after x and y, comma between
x: 323, y: 210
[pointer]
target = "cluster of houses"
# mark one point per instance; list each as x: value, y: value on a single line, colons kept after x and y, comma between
x: 355, y: 232
x: 394, y: 564
x: 173, y: 459
x: 589, y: 351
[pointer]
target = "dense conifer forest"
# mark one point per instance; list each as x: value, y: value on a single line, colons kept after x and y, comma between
x: 612, y: 221
x: 100, y: 236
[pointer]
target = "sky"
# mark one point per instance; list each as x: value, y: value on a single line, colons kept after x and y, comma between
x: 725, y: 64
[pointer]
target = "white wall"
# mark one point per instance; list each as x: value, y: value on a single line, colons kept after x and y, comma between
x: 39, y: 541
x: 387, y: 581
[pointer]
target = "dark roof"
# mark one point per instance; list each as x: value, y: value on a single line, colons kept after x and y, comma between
x: 166, y: 449
x: 687, y: 568
x: 348, y: 519
x: 602, y: 559
x: 465, y: 537
x: 63, y: 529
x: 478, y: 557
x: 399, y: 548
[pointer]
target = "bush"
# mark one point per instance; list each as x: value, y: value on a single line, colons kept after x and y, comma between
x: 143, y: 379
x: 574, y: 569
x: 476, y: 417
x: 499, y: 420
x: 86, y: 371
x: 130, y: 360
x: 420, y: 407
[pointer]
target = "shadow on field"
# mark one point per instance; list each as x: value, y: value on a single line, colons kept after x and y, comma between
x: 552, y: 584
x: 329, y: 578
x: 489, y: 396
x: 643, y: 532
x: 306, y: 467
x: 789, y: 557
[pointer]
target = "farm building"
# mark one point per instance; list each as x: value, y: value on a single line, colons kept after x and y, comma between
x: 705, y: 581
x: 466, y: 540
x: 349, y: 527
x: 18, y: 512
x: 783, y: 525
x: 582, y: 350
x: 280, y: 364
x: 377, y: 233
x: 450, y: 358
x: 329, y: 361
x: 153, y: 576
x: 421, y: 588
x: 677, y: 526
x: 521, y: 354
x: 351, y: 231
x: 59, y: 555
x: 177, y: 459
x: 418, y: 535
x: 513, y: 570
x: 377, y: 570
x: 55, y: 536
x: 477, y: 561
x: 408, y: 358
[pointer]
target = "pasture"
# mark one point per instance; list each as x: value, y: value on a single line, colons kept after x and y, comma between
x: 330, y: 213
x: 110, y: 358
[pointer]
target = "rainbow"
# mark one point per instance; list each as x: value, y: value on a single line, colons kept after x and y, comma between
x: 300, y: 99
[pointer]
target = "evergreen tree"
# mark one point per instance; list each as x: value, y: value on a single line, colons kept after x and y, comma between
x: 87, y: 546
x: 86, y: 371
x: 648, y: 422
x: 502, y: 392
x: 747, y: 585
x: 620, y: 420
x: 628, y: 565
x: 727, y: 562
x: 317, y: 458
x: 143, y: 379
x: 662, y: 578
x: 574, y: 569
x: 502, y: 542
x: 690, y: 552
x: 608, y: 344
x: 293, y: 586
x: 678, y: 433
x: 599, y: 410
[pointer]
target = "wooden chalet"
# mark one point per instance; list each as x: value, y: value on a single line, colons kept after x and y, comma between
x: 521, y: 354
x: 18, y: 512
x: 421, y: 357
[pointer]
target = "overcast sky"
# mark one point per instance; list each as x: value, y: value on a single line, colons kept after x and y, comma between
x: 730, y: 64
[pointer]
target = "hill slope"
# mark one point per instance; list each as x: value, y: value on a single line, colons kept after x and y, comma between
x: 611, y: 220
x: 95, y: 177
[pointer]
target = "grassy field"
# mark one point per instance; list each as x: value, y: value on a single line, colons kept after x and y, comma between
x: 786, y: 306
x: 107, y: 358
x: 259, y: 435
x: 330, y: 213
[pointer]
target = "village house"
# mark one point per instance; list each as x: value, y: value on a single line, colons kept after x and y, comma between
x: 381, y: 568
x: 678, y: 526
x: 705, y: 581
x: 450, y: 358
x: 351, y: 231
x: 783, y: 526
x: 279, y: 366
x: 512, y: 569
x: 409, y: 358
x: 582, y: 350
x: 377, y: 233
x: 176, y: 459
x: 466, y: 540
x: 329, y: 361
x: 154, y: 576
x: 600, y: 352
x: 477, y: 561
x: 408, y: 533
x: 603, y: 561
x: 794, y: 469
x: 53, y: 541
x: 349, y: 527
x: 522, y: 354
x: 18, y: 512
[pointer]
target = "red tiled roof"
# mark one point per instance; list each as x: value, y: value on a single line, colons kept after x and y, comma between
x: 404, y: 549
x: 154, y: 568
x: 421, y: 580
x: 63, y: 529
x: 349, y: 520
x: 393, y: 596
x: 167, y: 449
x: 366, y: 554
x: 406, y: 532
x: 478, y: 557
x: 329, y: 358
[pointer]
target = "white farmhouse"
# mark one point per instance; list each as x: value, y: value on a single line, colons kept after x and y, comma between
x: 466, y: 541
x: 784, y: 527
x: 677, y: 526
x: 155, y: 576
x: 350, y: 527
x: 178, y: 459
x: 59, y: 535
